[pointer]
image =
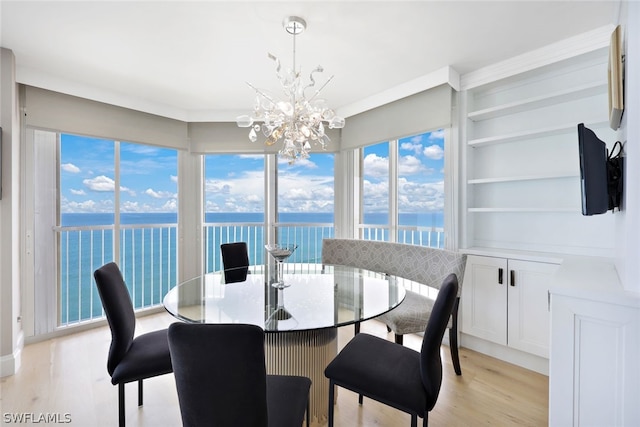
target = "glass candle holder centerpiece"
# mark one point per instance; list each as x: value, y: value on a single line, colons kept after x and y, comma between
x: 280, y: 252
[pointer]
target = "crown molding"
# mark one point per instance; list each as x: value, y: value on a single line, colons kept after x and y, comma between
x: 41, y: 80
x: 445, y: 75
x: 555, y: 52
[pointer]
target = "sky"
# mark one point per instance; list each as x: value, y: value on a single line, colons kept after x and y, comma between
x: 148, y: 176
x: 235, y: 183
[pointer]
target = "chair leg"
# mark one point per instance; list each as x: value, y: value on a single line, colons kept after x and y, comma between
x: 356, y: 327
x: 139, y: 392
x: 399, y: 339
x: 308, y: 413
x: 360, y: 399
x: 121, y: 405
x: 331, y: 403
x: 453, y: 339
x: 425, y: 420
x: 414, y: 420
x: 453, y: 346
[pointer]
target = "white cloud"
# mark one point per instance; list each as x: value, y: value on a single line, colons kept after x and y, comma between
x: 170, y: 206
x: 70, y: 167
x: 414, y: 146
x: 217, y: 187
x: 159, y: 194
x: 298, y: 194
x: 100, y: 183
x: 104, y: 184
x: 129, y: 206
x: 410, y: 165
x: 377, y: 189
x: 376, y: 166
x: 434, y: 152
x: 173, y: 178
x: 86, y: 206
x: 304, y: 193
x: 300, y: 163
x: 77, y: 192
x: 420, y: 197
x: 437, y: 135
x: 211, y: 206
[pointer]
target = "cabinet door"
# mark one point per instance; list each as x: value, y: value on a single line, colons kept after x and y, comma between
x: 484, y: 298
x: 528, y: 306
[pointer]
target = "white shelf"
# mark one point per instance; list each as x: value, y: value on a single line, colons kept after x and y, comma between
x: 524, y: 210
x: 521, y: 178
x: 538, y: 101
x: 530, y: 134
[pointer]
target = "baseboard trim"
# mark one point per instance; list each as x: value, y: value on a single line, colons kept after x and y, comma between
x: 516, y: 357
x: 10, y: 364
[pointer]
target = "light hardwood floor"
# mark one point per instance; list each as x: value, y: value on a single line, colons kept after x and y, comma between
x: 68, y: 375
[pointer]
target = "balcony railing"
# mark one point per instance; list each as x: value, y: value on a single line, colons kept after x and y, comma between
x: 147, y: 261
x: 412, y: 235
x: 308, y: 237
x: 148, y: 257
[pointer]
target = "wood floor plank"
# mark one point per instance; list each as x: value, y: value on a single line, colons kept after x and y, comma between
x: 68, y: 375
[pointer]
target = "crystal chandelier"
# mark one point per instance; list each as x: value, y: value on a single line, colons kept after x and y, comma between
x: 301, y: 118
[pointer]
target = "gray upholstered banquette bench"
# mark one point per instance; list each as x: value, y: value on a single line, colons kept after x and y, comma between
x: 424, y: 265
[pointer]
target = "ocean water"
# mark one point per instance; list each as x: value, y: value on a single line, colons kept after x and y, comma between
x: 148, y: 254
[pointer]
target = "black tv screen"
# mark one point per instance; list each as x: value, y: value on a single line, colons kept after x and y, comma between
x: 593, y: 172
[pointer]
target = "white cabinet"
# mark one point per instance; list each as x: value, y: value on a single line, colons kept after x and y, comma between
x: 505, y: 301
x: 594, y: 375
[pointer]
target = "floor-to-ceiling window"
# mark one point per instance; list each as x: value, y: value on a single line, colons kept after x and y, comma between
x: 420, y: 197
x: 305, y: 202
x: 375, y: 192
x: 403, y: 190
x: 147, y: 192
x: 250, y: 199
x: 101, y: 200
x: 234, y: 205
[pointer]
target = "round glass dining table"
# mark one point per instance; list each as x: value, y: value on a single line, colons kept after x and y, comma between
x: 300, y: 320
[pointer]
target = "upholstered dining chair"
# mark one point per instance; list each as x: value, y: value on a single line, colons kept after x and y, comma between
x: 235, y: 256
x: 221, y: 379
x: 393, y: 374
x: 129, y: 359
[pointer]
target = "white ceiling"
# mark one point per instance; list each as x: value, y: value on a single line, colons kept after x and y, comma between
x: 190, y: 60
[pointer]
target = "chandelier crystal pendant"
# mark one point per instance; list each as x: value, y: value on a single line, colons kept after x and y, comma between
x: 301, y: 118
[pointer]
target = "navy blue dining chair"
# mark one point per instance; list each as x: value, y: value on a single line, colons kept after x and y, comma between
x: 221, y: 379
x: 391, y: 373
x: 129, y: 359
x: 235, y: 261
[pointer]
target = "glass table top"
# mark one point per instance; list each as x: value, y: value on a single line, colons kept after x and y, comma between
x: 335, y: 296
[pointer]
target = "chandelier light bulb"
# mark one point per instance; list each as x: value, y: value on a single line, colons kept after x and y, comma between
x: 298, y: 119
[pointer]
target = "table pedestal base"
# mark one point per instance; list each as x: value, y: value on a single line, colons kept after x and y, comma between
x: 305, y: 353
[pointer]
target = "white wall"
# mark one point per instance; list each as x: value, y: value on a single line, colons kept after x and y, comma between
x: 10, y: 326
x: 628, y: 222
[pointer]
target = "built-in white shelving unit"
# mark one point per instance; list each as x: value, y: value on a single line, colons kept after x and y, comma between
x: 520, y: 178
x: 541, y: 101
x: 529, y: 134
x: 522, y: 169
x: 522, y: 210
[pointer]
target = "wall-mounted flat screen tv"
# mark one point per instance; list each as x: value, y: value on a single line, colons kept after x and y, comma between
x: 593, y: 172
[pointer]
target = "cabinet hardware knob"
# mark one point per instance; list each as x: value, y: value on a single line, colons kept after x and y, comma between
x: 500, y: 271
x: 513, y: 277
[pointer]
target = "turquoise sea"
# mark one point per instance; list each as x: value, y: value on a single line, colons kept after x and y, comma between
x: 148, y: 254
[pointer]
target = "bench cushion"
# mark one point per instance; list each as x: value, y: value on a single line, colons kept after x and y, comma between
x: 421, y: 264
